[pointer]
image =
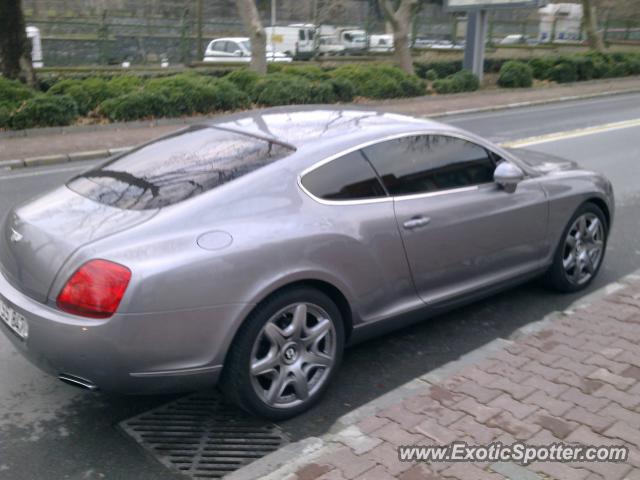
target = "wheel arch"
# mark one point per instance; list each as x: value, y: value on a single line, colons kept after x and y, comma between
x: 602, y: 205
x: 326, y: 287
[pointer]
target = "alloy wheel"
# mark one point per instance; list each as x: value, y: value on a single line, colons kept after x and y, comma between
x: 293, y: 355
x: 583, y: 248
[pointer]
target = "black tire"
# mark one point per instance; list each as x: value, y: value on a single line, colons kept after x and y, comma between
x: 556, y: 277
x: 236, y: 380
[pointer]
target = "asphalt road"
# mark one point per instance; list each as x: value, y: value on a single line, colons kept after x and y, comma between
x: 50, y: 430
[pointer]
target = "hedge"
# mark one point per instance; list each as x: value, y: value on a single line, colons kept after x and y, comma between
x: 45, y: 111
x: 380, y: 81
x: 462, y: 81
x: 133, y: 95
x: 515, y: 74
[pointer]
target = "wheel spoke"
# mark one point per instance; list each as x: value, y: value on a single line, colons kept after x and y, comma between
x: 267, y: 364
x: 582, y: 226
x: 277, y: 387
x: 571, y: 241
x: 593, y: 229
x: 569, y: 262
x: 300, y: 384
x: 317, y: 332
x: 589, y: 264
x: 298, y: 322
x: 275, y: 335
x: 318, y: 359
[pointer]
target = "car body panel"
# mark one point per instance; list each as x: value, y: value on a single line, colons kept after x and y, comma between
x: 187, y: 297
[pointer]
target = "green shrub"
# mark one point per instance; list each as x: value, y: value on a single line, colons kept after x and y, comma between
x: 5, y: 116
x: 514, y: 74
x: 13, y: 93
x: 585, y: 67
x: 541, y: 67
x: 564, y: 72
x: 86, y: 93
x: 187, y: 94
x: 442, y: 69
x: 45, y: 111
x: 462, y: 81
x: 380, y: 81
x: 343, y: 89
x: 431, y: 75
x: 123, y: 84
x: 466, y: 81
x: 322, y: 92
x: 444, y: 85
x: 135, y: 105
x: 281, y: 89
x: 310, y: 72
x: 243, y: 78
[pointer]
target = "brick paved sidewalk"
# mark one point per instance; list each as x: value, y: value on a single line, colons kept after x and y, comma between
x: 55, y: 141
x: 573, y: 378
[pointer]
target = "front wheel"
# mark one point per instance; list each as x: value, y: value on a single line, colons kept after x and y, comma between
x: 285, y: 354
x: 579, y: 255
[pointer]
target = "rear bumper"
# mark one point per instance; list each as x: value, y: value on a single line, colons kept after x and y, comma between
x: 127, y: 353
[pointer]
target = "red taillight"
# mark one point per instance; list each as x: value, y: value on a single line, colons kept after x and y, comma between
x: 95, y: 290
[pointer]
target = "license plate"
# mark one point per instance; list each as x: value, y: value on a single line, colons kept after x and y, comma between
x: 14, y: 320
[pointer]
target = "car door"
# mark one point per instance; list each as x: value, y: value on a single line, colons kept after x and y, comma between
x: 461, y: 231
x: 217, y: 51
x: 235, y: 52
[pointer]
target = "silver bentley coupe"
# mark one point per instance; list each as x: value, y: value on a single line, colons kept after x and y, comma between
x: 249, y: 250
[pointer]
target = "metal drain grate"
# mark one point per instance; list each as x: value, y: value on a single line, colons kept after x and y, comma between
x: 201, y: 437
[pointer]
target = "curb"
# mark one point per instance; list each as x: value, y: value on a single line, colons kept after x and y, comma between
x: 96, y: 154
x: 283, y: 463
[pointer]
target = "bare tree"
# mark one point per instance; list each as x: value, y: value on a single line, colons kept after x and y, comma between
x: 15, y: 48
x: 251, y: 19
x: 400, y: 19
x: 594, y: 40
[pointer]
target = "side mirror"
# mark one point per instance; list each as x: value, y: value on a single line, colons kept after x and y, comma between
x: 508, y: 175
x: 238, y: 53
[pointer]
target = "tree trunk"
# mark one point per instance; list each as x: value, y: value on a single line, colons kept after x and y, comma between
x: 400, y: 21
x: 251, y: 19
x: 594, y: 40
x: 15, y: 48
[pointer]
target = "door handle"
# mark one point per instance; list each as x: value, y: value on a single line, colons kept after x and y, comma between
x: 416, y: 222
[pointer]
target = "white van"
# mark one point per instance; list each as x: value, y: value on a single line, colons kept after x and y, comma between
x: 33, y: 34
x: 295, y: 40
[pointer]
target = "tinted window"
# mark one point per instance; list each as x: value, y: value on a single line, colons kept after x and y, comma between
x: 232, y: 47
x: 429, y: 163
x: 176, y: 168
x: 301, y: 34
x: 346, y: 178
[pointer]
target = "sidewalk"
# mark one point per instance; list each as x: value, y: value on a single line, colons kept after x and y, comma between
x: 573, y: 377
x: 100, y: 138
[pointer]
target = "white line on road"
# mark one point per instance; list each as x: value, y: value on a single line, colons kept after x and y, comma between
x: 580, y: 132
x: 523, y: 142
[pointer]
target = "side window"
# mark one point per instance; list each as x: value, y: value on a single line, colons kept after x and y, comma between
x: 231, y: 47
x: 301, y: 34
x: 217, y: 46
x: 429, y: 163
x: 346, y: 178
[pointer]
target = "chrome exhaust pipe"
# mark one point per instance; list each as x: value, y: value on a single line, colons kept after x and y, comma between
x: 77, y: 382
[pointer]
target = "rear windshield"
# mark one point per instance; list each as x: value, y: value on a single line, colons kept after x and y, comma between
x: 175, y: 168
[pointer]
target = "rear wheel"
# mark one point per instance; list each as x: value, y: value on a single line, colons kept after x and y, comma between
x: 581, y: 250
x: 285, y: 354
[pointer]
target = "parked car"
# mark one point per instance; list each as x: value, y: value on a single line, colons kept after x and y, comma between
x: 33, y: 35
x: 515, y: 39
x: 237, y: 50
x: 381, y: 43
x: 329, y: 46
x: 250, y: 249
x: 295, y: 40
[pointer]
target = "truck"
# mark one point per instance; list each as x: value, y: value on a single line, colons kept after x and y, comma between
x: 295, y: 40
x: 354, y: 40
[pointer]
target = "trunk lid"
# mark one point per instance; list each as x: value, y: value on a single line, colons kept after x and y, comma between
x: 39, y: 236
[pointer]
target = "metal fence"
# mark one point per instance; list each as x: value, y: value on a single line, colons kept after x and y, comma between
x: 112, y: 39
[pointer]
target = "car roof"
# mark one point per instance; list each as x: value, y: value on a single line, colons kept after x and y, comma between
x: 233, y: 39
x: 311, y: 125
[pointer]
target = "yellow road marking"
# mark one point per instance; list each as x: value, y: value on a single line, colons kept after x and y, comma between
x: 580, y: 132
